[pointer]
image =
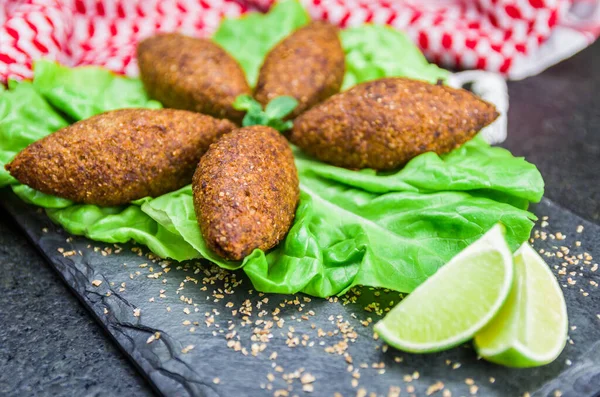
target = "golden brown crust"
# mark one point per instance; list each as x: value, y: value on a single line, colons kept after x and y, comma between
x: 119, y: 156
x: 245, y: 191
x: 307, y: 65
x: 382, y: 124
x: 192, y: 74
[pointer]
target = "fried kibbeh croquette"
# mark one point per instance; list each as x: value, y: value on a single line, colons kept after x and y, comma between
x: 307, y: 65
x: 246, y: 191
x: 193, y: 74
x: 382, y: 124
x: 119, y: 156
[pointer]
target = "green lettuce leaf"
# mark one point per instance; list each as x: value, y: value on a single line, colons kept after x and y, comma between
x: 346, y: 234
x: 376, y: 51
x: 120, y: 225
x: 31, y: 110
x: 25, y: 117
x: 31, y: 196
x: 249, y: 38
x: 86, y: 91
x: 475, y: 166
x: 372, y: 51
x: 390, y: 230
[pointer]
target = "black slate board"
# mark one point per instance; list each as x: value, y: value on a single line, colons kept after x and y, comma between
x: 212, y: 368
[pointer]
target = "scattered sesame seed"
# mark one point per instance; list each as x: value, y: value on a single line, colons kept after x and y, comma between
x: 434, y: 388
x: 186, y: 349
x: 394, y: 391
x: 96, y: 283
x: 307, y: 378
x: 216, y: 381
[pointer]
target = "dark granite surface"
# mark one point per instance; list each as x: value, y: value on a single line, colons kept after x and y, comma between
x: 554, y: 121
x: 51, y: 346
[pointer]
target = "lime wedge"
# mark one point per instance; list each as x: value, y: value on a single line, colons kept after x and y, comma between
x: 454, y: 303
x: 531, y: 328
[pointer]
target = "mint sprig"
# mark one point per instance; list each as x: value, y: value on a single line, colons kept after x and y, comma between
x: 271, y: 116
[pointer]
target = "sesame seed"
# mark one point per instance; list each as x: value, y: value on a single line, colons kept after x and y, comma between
x: 186, y: 349
x: 96, y: 283
x: 434, y: 388
x: 307, y: 378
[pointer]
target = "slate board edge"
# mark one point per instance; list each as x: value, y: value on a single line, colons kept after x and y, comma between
x: 163, y: 382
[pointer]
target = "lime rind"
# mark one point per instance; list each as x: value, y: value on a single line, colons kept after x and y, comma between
x: 513, y: 353
x: 493, y: 240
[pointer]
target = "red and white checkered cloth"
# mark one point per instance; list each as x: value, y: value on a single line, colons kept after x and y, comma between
x: 514, y: 37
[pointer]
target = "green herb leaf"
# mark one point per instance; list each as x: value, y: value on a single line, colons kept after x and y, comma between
x: 280, y: 107
x: 255, y: 118
x: 246, y: 102
x: 275, y: 110
x: 281, y: 125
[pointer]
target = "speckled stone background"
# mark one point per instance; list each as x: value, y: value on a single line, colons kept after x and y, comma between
x: 49, y: 345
